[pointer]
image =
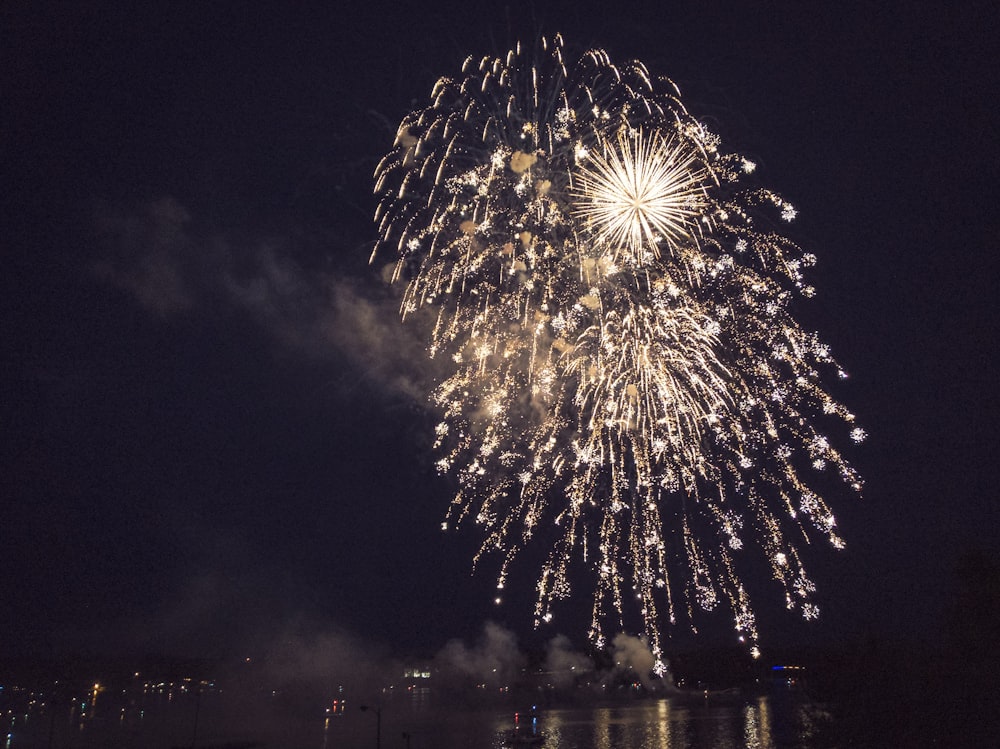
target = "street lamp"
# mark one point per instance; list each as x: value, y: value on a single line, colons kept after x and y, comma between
x: 378, y: 724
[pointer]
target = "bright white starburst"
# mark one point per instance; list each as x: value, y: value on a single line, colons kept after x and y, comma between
x: 640, y: 190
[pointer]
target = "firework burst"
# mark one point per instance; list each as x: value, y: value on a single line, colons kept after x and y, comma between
x: 626, y: 384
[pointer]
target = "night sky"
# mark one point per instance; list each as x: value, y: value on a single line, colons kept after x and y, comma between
x: 212, y: 422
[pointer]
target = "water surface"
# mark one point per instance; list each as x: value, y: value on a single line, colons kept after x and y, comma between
x: 215, y: 720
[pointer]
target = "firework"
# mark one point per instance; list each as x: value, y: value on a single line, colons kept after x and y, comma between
x: 625, y: 381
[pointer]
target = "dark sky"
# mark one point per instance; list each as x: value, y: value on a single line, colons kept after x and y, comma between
x: 211, y: 421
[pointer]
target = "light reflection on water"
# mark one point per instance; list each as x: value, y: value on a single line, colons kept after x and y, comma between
x: 663, y: 725
x: 753, y: 723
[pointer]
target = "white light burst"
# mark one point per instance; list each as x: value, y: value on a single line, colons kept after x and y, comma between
x: 639, y: 190
x: 626, y: 386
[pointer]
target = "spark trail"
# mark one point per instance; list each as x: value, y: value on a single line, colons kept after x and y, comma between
x: 626, y: 383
